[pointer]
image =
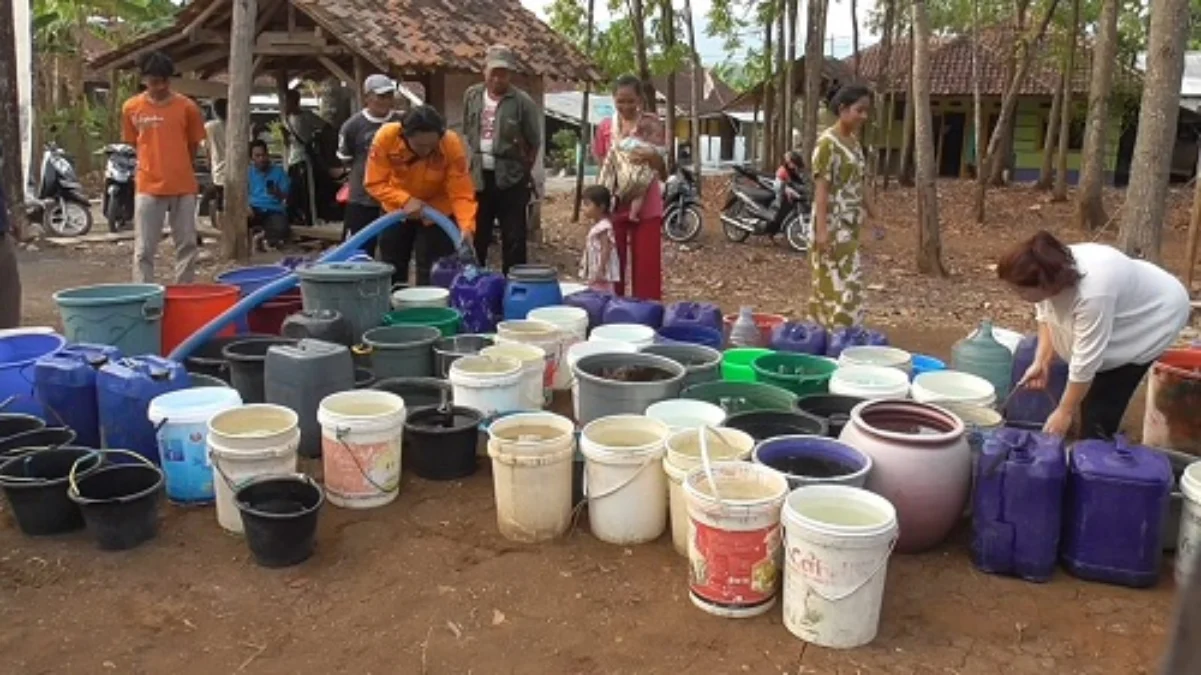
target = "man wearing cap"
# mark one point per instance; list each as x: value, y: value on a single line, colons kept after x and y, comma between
x: 354, y: 144
x: 502, y: 127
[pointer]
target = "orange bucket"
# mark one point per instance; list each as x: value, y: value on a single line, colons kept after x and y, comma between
x: 189, y: 307
x: 1173, y: 399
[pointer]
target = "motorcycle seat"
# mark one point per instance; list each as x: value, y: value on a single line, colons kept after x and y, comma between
x: 759, y: 194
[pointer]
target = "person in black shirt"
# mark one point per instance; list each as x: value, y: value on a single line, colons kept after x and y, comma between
x: 354, y: 142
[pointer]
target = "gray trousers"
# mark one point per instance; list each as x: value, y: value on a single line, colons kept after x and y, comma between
x: 149, y: 214
x: 10, y: 283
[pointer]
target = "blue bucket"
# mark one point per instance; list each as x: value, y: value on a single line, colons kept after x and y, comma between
x: 18, y: 354
x: 126, y: 316
x: 181, y: 422
x: 248, y: 280
x: 926, y: 364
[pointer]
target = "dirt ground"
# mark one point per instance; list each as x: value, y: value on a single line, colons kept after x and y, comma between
x: 427, y: 585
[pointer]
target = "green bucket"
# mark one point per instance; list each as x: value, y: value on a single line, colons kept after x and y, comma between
x: 360, y: 291
x: 736, y: 363
x: 444, y: 319
x: 126, y: 316
x: 736, y: 397
x: 802, y: 374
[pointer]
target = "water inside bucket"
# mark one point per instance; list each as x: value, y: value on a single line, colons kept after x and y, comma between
x: 357, y: 408
x: 623, y: 438
x: 634, y: 374
x: 281, y: 506
x: 529, y: 433
x: 840, y: 513
x: 738, y: 489
x: 812, y: 467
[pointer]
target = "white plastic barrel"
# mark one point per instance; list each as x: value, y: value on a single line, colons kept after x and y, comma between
x: 490, y: 384
x: 532, y: 457
x: 572, y: 323
x: 1189, y: 542
x: 539, y: 334
x: 247, y: 442
x: 626, y: 491
x: 361, y: 435
x: 684, y: 455
x: 633, y: 333
x: 181, y: 419
x: 838, y: 541
x: 534, y: 362
x: 953, y: 386
x: 870, y: 382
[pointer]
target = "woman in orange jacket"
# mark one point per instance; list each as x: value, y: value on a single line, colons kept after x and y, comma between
x: 416, y: 163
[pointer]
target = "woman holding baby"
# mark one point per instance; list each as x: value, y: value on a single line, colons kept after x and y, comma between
x: 638, y: 135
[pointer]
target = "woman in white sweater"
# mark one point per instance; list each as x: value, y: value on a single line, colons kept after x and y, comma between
x: 1108, y: 315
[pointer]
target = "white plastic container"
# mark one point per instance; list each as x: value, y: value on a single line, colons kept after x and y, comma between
x: 953, y: 386
x: 572, y: 323
x: 684, y: 455
x: 541, y: 334
x: 633, y: 333
x: 490, y: 384
x: 869, y: 382
x: 579, y: 351
x: 683, y: 413
x: 734, y: 542
x: 361, y: 434
x: 626, y: 491
x: 420, y: 296
x: 838, y: 540
x: 532, y: 456
x: 876, y: 355
x: 181, y: 419
x: 1189, y: 540
x: 533, y: 371
x: 247, y: 442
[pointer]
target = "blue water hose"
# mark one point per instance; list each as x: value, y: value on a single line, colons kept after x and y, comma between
x: 339, y: 253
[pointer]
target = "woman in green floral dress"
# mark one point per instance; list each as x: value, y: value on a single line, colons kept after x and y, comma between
x: 840, y: 207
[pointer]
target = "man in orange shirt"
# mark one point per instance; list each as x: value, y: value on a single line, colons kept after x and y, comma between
x: 414, y: 163
x: 167, y: 129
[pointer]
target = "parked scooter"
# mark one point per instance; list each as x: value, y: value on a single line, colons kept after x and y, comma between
x: 682, y: 213
x: 60, y: 205
x: 121, y: 163
x: 751, y: 209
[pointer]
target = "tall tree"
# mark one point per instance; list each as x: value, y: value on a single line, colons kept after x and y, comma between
x: 637, y: 12
x: 977, y: 99
x: 905, y: 175
x: 855, y: 35
x: 234, y: 242
x: 1090, y: 212
x: 697, y: 71
x: 929, y: 242
x: 783, y: 90
x: 788, y: 110
x: 885, y: 88
x: 585, y: 114
x: 814, y: 58
x: 767, y: 14
x: 1150, y: 168
x: 10, y: 133
x: 1050, y: 137
x: 667, y: 28
x: 1068, y: 113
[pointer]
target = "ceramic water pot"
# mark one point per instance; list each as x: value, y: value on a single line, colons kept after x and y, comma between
x: 921, y: 463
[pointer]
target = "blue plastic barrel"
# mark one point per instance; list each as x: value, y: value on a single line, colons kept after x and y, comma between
x: 248, y: 280
x: 124, y: 390
x: 693, y: 314
x: 691, y: 334
x: 18, y: 354
x: 631, y: 310
x: 66, y: 386
x: 531, y: 287
x: 926, y: 364
x: 181, y: 418
x: 126, y: 316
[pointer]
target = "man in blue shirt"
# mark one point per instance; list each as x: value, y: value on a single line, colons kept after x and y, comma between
x: 268, y: 198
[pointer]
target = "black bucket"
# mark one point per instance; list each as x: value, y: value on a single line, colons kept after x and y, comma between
x: 208, y: 359
x: 440, y: 443
x: 247, y: 365
x: 35, y: 485
x: 417, y: 392
x: 48, y: 437
x: 279, y: 516
x: 834, y: 409
x: 764, y: 424
x: 119, y: 501
x: 12, y: 424
x: 363, y: 378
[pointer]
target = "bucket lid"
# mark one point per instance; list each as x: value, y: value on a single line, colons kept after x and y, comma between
x: 533, y: 273
x: 345, y: 271
x: 192, y: 406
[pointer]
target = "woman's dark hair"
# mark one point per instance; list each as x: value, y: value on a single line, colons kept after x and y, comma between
x: 423, y: 118
x: 258, y: 143
x: 847, y: 96
x: 599, y: 195
x: 156, y: 64
x: 1042, y: 261
x: 221, y: 108
x: 628, y: 80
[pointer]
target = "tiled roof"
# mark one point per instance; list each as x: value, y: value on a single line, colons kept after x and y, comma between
x: 719, y: 93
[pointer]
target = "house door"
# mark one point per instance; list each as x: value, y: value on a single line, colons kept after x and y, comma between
x: 951, y: 158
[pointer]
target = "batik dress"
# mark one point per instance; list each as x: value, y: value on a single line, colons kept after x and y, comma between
x: 836, y: 300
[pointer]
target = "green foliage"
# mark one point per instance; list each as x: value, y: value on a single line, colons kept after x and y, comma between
x: 564, y: 145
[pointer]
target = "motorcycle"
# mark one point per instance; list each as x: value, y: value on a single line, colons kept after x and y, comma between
x: 60, y: 204
x: 682, y: 212
x: 121, y: 163
x: 751, y: 210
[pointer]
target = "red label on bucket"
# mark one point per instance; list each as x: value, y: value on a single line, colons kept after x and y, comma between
x: 734, y: 568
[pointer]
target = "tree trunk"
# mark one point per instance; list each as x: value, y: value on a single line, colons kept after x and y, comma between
x: 668, y: 28
x: 585, y: 121
x: 855, y: 35
x: 929, y: 245
x: 769, y: 89
x: 697, y: 82
x: 234, y: 242
x: 884, y: 83
x: 977, y: 102
x: 783, y: 91
x: 814, y: 58
x: 1068, y: 112
x: 1150, y: 168
x: 905, y: 175
x: 788, y: 110
x: 638, y: 23
x: 1090, y: 212
x: 1050, y: 136
x: 11, y: 174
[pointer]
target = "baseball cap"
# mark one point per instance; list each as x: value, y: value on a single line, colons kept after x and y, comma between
x: 500, y: 56
x: 379, y: 84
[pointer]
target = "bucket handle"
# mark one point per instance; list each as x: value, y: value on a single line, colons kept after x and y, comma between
x: 73, y: 488
x: 708, y: 465
x: 838, y: 597
x: 340, y: 436
x: 152, y: 311
x: 620, y: 486
x: 31, y: 481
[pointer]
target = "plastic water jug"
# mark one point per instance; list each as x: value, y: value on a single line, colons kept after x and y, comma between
x: 631, y: 310
x: 852, y: 336
x: 1117, y: 498
x: 744, y: 332
x: 445, y: 270
x: 531, y: 287
x: 479, y: 297
x: 980, y: 354
x: 65, y: 383
x: 319, y: 324
x: 802, y: 337
x: 124, y: 389
x: 298, y: 376
x: 593, y: 302
x: 1032, y: 408
x: 1018, y: 502
x: 703, y: 314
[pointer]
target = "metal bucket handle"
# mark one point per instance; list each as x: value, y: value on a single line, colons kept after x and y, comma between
x: 73, y: 487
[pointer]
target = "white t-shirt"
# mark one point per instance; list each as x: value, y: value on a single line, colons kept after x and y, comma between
x: 1123, y: 311
x: 214, y: 132
x: 591, y: 268
x: 488, y: 131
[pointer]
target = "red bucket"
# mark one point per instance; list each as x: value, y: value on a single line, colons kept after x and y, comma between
x: 268, y: 318
x: 188, y: 308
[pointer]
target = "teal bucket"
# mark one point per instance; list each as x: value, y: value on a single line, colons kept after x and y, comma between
x: 126, y: 316
x: 360, y: 291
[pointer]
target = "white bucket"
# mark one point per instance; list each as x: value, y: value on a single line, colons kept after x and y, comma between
x: 876, y: 355
x: 838, y: 541
x: 734, y: 538
x: 633, y: 333
x: 533, y: 371
x: 953, y: 386
x: 181, y: 421
x: 539, y: 334
x: 247, y: 442
x: 532, y: 457
x: 870, y: 382
x: 361, y: 435
x: 683, y: 455
x: 683, y: 413
x: 1189, y: 541
x: 572, y: 323
x: 579, y: 351
x: 490, y: 384
x: 420, y: 296
x: 627, y: 494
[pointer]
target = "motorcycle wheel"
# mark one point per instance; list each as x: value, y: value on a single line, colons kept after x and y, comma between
x: 683, y: 225
x: 798, y: 230
x: 67, y: 219
x: 734, y: 234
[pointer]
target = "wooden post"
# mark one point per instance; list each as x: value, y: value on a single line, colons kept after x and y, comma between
x: 235, y: 245
x: 1194, y: 230
x: 360, y: 74
x: 585, y: 108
